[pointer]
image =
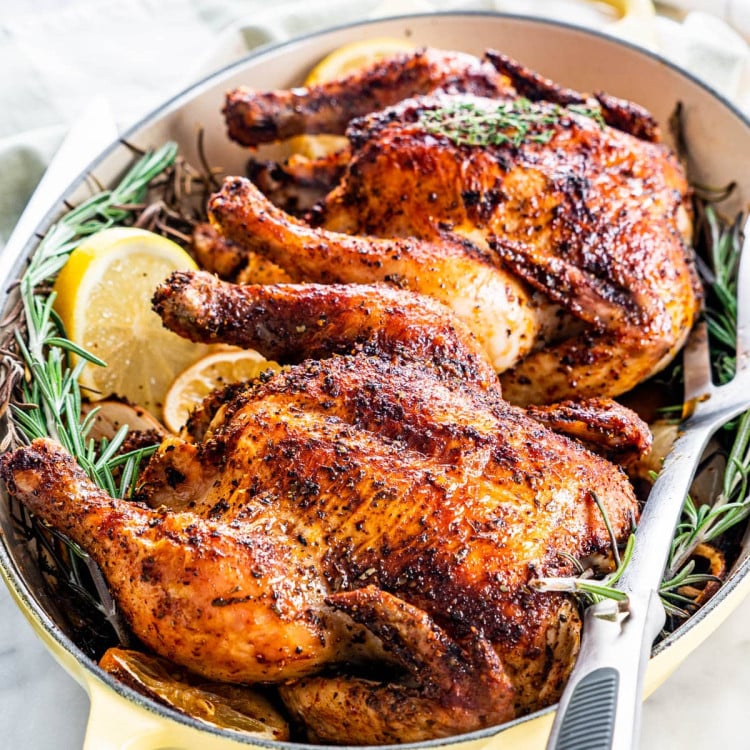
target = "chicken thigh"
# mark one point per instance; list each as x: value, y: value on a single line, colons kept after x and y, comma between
x: 560, y: 240
x: 360, y: 528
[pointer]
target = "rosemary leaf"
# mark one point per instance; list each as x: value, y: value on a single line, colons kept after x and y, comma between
x: 708, y: 522
x: 74, y: 348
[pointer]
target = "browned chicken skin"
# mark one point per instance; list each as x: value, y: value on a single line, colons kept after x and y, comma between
x: 291, y: 323
x: 565, y: 253
x: 216, y: 253
x: 381, y: 506
x: 262, y: 117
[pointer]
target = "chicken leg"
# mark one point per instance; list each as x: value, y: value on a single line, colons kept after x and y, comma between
x: 294, y: 322
x: 255, y: 117
x: 502, y: 312
x: 216, y: 599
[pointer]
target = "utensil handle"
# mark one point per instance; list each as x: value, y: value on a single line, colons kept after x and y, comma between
x: 589, y: 718
x: 601, y: 706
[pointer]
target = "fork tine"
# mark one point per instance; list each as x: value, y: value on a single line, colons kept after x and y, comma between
x: 743, y: 304
x: 696, y: 361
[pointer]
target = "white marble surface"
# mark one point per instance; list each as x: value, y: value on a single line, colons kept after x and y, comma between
x: 703, y: 705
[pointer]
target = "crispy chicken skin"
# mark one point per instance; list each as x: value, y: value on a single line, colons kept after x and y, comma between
x: 217, y: 254
x: 503, y: 312
x: 566, y: 254
x: 255, y: 117
x: 383, y: 506
x: 321, y: 320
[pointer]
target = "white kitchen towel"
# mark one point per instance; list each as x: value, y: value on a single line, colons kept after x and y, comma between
x: 56, y: 55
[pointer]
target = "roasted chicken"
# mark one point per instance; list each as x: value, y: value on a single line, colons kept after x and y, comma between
x: 376, y: 507
x: 560, y: 240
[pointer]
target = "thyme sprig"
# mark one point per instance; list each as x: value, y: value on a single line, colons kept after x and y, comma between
x: 511, y: 122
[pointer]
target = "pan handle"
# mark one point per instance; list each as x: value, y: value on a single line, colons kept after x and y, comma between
x: 118, y: 724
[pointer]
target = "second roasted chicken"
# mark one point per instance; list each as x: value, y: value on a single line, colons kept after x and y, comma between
x: 360, y: 529
x: 554, y: 224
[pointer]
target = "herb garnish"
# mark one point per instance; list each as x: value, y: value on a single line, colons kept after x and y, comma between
x: 724, y: 243
x: 705, y: 523
x: 509, y: 122
x: 51, y: 396
x: 50, y: 402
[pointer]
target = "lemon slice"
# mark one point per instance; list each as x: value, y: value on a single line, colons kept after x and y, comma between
x: 230, y: 706
x: 355, y: 56
x: 103, y: 297
x: 350, y: 58
x: 212, y: 371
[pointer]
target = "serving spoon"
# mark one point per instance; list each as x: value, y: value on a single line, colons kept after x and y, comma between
x: 600, y: 708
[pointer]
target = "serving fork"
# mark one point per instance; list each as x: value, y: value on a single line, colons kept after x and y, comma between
x: 601, y: 706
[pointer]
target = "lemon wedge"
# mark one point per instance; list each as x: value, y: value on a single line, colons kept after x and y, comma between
x: 103, y: 297
x: 343, y: 61
x: 213, y: 371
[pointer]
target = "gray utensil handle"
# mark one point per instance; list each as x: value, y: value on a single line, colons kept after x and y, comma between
x: 601, y: 707
x: 589, y: 721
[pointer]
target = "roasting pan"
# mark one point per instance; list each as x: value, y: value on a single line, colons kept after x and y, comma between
x: 719, y: 141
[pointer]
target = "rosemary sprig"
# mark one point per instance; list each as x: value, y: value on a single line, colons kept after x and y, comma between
x: 105, y: 209
x: 677, y: 604
x: 51, y: 396
x: 719, y: 273
x: 702, y: 524
x: 591, y: 590
x: 50, y: 402
x: 705, y: 523
x: 510, y: 122
x: 584, y: 585
x: 38, y: 383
